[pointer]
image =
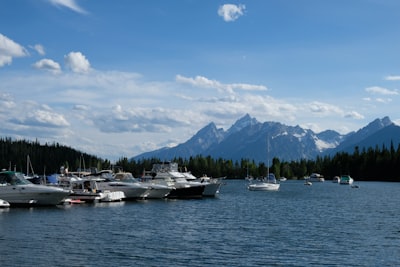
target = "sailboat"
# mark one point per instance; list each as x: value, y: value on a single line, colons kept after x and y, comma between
x: 268, y: 183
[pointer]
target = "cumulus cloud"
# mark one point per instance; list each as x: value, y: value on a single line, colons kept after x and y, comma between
x: 48, y: 64
x: 231, y: 12
x: 381, y: 91
x: 10, y: 49
x: 70, y: 4
x: 200, y: 81
x: 77, y: 62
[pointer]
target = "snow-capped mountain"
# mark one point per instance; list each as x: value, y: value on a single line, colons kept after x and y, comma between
x: 249, y: 139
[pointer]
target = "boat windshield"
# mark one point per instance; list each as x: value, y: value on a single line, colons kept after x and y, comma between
x: 13, y: 178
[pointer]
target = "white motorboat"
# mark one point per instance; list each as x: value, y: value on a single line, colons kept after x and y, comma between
x: 267, y: 184
x: 166, y: 173
x: 212, y: 185
x: 16, y: 190
x: 4, y: 204
x: 316, y: 177
x: 88, y: 190
x: 336, y: 180
x: 133, y: 188
x: 346, y: 179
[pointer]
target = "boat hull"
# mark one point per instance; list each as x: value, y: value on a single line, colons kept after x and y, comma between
x: 130, y: 190
x: 158, y: 191
x: 211, y: 189
x: 264, y: 187
x: 186, y: 192
x: 32, y: 195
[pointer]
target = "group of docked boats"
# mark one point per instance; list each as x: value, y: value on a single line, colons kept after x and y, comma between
x: 316, y: 177
x: 163, y: 181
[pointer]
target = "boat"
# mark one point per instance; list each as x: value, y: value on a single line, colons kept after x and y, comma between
x: 124, y: 181
x: 166, y: 173
x: 316, y: 177
x: 307, y: 182
x: 346, y: 180
x: 282, y: 179
x: 18, y: 191
x: 212, y: 185
x: 267, y: 183
x: 87, y: 189
x: 4, y: 204
x: 336, y: 179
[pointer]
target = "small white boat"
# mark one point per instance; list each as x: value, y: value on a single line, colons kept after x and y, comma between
x: 307, y: 182
x: 346, y: 179
x: 316, y: 177
x: 267, y: 184
x: 4, y: 204
x: 336, y: 179
x: 282, y: 179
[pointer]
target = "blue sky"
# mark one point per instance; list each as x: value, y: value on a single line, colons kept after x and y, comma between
x: 118, y: 78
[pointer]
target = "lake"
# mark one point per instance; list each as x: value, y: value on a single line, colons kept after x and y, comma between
x: 325, y: 224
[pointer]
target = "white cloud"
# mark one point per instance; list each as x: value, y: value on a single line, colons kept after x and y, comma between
x: 71, y: 4
x: 324, y: 108
x: 381, y: 90
x: 39, y: 48
x: 48, y: 64
x: 392, y: 78
x: 200, y: 81
x: 103, y: 109
x: 231, y: 12
x: 77, y: 62
x: 354, y: 115
x: 10, y: 49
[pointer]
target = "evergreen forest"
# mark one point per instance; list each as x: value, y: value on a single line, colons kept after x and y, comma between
x: 372, y: 164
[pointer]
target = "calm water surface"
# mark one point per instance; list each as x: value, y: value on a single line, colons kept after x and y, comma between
x: 323, y: 225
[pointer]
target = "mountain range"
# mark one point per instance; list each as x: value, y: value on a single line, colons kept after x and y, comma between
x: 250, y: 139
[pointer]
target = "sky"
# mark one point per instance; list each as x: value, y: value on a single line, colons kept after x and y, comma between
x: 118, y: 78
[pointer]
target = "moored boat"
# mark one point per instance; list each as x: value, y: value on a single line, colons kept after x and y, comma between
x: 266, y: 184
x: 336, y: 179
x: 212, y: 185
x: 87, y: 190
x: 316, y: 177
x: 18, y: 191
x: 4, y: 204
x: 166, y: 173
x: 346, y: 180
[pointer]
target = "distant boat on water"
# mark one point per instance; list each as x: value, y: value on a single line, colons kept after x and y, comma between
x: 268, y: 183
x: 316, y: 177
x: 336, y: 179
x: 346, y: 179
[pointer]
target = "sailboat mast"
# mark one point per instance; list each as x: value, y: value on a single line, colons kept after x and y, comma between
x: 267, y: 156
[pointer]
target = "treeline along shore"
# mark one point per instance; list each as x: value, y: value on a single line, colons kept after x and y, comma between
x: 372, y: 164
